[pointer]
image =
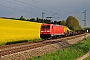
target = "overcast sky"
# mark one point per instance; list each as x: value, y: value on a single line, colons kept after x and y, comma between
x: 58, y: 9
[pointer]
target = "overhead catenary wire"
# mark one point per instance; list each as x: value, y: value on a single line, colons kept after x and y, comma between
x: 18, y: 4
x: 47, y: 5
x: 35, y: 6
x: 31, y: 5
x: 50, y: 7
x: 53, y: 13
x: 16, y: 8
x: 13, y: 2
x: 73, y: 14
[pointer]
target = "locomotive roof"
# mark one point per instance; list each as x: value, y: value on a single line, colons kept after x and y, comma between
x: 52, y: 24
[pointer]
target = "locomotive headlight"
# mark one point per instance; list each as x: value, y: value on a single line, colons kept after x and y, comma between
x: 42, y: 31
x: 48, y: 31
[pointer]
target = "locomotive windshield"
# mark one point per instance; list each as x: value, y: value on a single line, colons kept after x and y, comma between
x: 45, y: 27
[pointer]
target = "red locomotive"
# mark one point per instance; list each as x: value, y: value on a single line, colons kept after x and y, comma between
x: 51, y: 30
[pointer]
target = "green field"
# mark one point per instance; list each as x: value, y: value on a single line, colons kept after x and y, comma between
x: 88, y: 58
x: 71, y: 53
x: 17, y: 30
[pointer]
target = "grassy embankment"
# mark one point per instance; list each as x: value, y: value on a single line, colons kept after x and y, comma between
x: 18, y: 31
x: 88, y: 58
x: 70, y: 53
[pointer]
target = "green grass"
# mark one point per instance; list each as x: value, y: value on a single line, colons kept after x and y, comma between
x: 88, y: 58
x: 70, y: 53
x: 21, y: 41
x: 35, y: 40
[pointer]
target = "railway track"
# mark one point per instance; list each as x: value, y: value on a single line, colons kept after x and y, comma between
x: 14, y: 48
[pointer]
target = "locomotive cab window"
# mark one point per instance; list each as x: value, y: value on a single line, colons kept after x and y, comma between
x: 45, y: 27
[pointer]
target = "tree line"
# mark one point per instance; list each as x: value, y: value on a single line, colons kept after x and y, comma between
x: 71, y: 22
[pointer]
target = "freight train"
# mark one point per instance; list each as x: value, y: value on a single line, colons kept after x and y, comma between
x: 53, y: 31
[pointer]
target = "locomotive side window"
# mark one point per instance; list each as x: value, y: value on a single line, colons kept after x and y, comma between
x: 45, y: 27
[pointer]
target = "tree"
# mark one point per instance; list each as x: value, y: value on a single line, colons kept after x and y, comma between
x: 22, y: 18
x: 32, y: 19
x: 37, y: 19
x: 55, y: 22
x: 63, y: 22
x: 72, y: 23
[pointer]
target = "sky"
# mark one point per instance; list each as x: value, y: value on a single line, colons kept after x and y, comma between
x: 57, y: 9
